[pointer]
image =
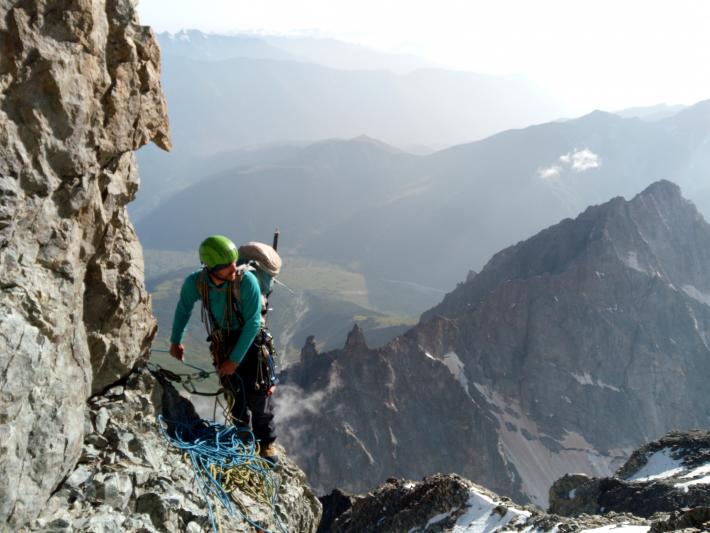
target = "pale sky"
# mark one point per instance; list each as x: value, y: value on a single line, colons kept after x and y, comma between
x: 607, y: 54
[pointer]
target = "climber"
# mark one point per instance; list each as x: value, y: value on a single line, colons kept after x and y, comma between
x: 232, y: 311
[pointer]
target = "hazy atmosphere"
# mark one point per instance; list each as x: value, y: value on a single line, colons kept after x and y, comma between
x: 489, y: 306
x: 591, y: 54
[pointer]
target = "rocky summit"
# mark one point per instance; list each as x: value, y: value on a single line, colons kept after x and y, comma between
x: 562, y: 355
x: 663, y: 487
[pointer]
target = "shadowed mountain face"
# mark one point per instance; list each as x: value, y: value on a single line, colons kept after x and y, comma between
x: 414, y: 225
x: 564, y: 353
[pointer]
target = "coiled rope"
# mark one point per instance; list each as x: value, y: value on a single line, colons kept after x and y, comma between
x: 225, y: 461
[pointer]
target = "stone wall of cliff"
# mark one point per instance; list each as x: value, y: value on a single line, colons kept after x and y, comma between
x: 79, y: 92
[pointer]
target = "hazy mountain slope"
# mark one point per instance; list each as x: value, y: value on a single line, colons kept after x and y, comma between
x: 321, y: 51
x: 336, y: 54
x: 164, y: 174
x: 303, y: 194
x: 650, y: 113
x: 566, y: 351
x: 221, y: 105
x: 414, y: 225
x: 481, y: 196
x: 197, y: 45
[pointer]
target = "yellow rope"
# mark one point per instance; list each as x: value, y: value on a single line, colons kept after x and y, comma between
x: 245, y: 480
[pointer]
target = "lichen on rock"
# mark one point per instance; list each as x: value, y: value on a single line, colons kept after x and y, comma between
x: 79, y: 91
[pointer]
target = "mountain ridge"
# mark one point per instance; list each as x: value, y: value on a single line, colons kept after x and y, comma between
x: 562, y: 368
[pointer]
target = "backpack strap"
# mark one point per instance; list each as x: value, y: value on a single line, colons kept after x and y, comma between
x: 206, y: 315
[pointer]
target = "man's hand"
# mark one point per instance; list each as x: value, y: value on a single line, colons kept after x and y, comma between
x: 227, y: 368
x: 177, y: 351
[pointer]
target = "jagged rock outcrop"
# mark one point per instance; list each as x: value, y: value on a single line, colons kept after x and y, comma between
x: 563, y: 354
x: 391, y: 433
x: 79, y: 91
x: 670, y: 474
x: 443, y: 503
x: 662, y: 487
x: 130, y: 479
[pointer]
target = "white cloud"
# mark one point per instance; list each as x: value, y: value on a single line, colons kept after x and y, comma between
x: 584, y: 160
x: 549, y: 172
x: 575, y: 161
x: 290, y: 404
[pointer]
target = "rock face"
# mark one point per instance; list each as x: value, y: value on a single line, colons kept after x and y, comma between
x: 662, y: 487
x: 563, y: 354
x: 443, y: 503
x: 667, y: 475
x: 79, y: 91
x: 130, y: 479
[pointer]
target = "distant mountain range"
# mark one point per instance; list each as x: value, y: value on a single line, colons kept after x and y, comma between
x: 226, y: 92
x: 565, y: 352
x: 651, y: 113
x: 413, y: 224
x: 326, y: 52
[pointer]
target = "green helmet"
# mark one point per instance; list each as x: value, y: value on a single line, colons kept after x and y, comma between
x: 217, y: 251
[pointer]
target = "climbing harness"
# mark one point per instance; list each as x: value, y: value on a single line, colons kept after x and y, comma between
x: 266, y: 378
x: 225, y: 460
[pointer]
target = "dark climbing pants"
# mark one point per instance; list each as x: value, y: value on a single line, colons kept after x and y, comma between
x: 252, y: 406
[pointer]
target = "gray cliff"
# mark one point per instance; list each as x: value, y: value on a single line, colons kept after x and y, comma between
x: 79, y: 92
x: 81, y: 447
x: 563, y: 354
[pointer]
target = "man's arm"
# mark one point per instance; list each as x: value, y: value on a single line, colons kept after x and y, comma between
x: 250, y: 307
x: 188, y: 296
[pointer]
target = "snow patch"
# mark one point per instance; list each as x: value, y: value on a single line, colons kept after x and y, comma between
x: 456, y: 367
x: 701, y: 481
x: 698, y: 471
x: 351, y: 433
x: 631, y: 261
x: 438, y: 518
x: 698, y: 476
x: 586, y: 379
x: 696, y: 294
x: 483, y: 515
x: 618, y: 528
x: 659, y: 465
x: 522, y: 446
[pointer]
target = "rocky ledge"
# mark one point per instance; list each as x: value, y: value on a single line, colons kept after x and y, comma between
x: 130, y: 479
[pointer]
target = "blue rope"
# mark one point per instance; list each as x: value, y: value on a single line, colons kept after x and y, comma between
x: 211, y: 444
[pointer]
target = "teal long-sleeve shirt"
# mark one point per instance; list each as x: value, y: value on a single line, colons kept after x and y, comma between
x: 249, y: 306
